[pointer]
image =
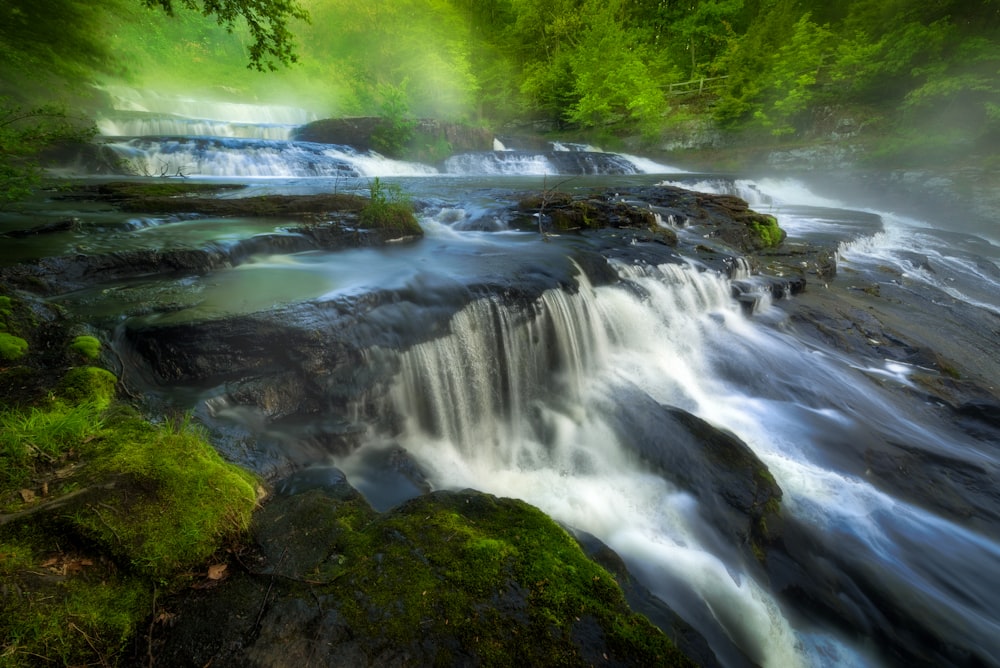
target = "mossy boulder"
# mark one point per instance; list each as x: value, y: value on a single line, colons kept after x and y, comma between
x: 87, y: 347
x: 12, y: 347
x: 765, y: 232
x: 88, y: 384
x: 175, y: 499
x: 449, y: 578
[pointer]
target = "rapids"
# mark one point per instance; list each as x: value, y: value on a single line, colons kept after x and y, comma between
x: 529, y: 403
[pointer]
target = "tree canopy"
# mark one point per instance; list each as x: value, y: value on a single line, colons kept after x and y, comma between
x: 266, y: 20
x: 764, y: 65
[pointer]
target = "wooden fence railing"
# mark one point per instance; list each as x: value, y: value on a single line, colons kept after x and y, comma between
x: 695, y: 85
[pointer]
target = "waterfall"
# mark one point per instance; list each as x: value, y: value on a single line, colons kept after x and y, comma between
x: 527, y: 401
x: 521, y: 401
x: 144, y: 125
x: 563, y: 160
x: 258, y: 158
x: 124, y: 99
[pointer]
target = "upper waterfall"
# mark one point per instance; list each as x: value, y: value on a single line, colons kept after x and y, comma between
x: 136, y: 113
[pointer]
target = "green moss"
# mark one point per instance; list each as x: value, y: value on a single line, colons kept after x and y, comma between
x: 148, y: 504
x: 177, y: 501
x: 6, y: 307
x: 12, y: 347
x: 498, y: 576
x: 87, y: 346
x: 765, y: 231
x: 88, y: 384
x: 70, y: 610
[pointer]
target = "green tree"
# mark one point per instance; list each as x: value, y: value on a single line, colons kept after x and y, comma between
x: 611, y: 73
x: 24, y: 134
x: 795, y: 73
x: 267, y: 21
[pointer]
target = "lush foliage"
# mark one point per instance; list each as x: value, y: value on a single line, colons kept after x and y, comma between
x: 24, y: 134
x: 764, y: 65
x: 266, y: 21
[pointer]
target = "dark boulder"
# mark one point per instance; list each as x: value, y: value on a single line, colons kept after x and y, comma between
x: 735, y: 489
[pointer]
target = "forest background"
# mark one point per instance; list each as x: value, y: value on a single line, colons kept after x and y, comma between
x: 923, y: 76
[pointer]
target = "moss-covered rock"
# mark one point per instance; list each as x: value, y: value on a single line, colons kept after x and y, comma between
x: 88, y: 384
x: 87, y: 347
x: 177, y: 499
x: 450, y: 578
x: 12, y: 347
x: 765, y: 231
x: 98, y: 509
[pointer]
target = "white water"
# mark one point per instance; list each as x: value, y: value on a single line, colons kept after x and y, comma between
x: 165, y: 126
x: 964, y: 267
x: 256, y: 158
x: 481, y: 412
x: 151, y: 102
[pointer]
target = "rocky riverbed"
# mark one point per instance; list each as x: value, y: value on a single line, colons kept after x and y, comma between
x: 339, y: 570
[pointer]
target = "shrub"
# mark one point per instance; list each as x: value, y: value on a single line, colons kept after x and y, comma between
x: 388, y: 209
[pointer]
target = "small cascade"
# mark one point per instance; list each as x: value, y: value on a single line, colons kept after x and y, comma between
x: 475, y: 386
x: 231, y: 157
x: 124, y: 99
x: 257, y: 158
x: 529, y: 163
x: 145, y: 125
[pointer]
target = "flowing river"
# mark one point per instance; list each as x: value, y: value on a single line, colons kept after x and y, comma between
x: 884, y: 567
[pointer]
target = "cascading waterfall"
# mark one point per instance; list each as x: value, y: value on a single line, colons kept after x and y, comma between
x: 152, y: 125
x: 522, y: 403
x: 256, y: 158
x: 125, y: 99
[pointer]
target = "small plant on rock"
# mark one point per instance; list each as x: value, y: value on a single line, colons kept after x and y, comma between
x: 389, y: 209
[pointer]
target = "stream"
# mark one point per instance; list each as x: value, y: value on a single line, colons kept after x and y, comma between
x: 891, y: 554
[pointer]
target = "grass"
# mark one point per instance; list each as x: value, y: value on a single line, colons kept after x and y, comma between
x: 388, y: 209
x: 36, y: 439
